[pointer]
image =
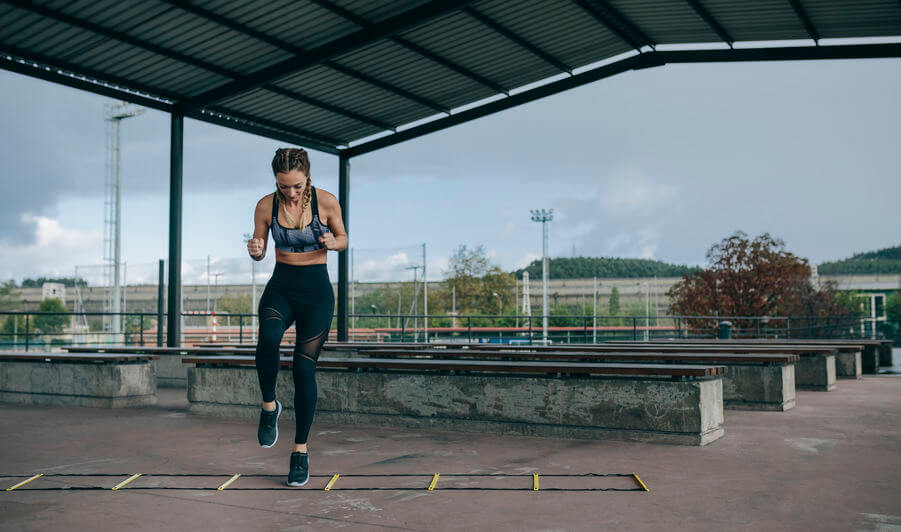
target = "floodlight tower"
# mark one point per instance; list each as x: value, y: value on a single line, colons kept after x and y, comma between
x: 114, y: 114
x: 543, y: 216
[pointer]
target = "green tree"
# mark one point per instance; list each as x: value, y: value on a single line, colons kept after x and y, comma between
x: 613, y: 303
x: 235, y: 304
x: 893, y: 307
x: 480, y: 287
x: 54, y: 323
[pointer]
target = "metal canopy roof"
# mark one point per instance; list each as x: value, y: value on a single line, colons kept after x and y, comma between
x: 351, y: 76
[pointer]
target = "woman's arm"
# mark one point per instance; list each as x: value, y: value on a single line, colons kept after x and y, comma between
x: 256, y: 246
x: 337, y: 239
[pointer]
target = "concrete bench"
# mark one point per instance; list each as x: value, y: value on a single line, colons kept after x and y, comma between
x: 109, y: 380
x: 753, y: 382
x: 640, y: 402
x: 170, y: 372
x: 815, y: 370
x: 872, y: 352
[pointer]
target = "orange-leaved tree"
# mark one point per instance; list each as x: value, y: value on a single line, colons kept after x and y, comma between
x: 754, y: 278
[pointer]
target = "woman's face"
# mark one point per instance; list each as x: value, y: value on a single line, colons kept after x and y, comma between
x: 291, y: 184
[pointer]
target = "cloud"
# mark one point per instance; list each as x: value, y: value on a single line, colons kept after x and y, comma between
x: 631, y: 192
x: 52, y: 242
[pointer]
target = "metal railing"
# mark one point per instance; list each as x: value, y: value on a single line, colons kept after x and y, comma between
x: 46, y: 330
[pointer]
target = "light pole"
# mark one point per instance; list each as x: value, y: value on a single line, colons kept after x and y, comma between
x: 543, y: 216
x: 647, y: 310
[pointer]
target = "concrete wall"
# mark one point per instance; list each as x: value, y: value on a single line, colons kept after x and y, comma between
x: 683, y: 412
x: 80, y: 384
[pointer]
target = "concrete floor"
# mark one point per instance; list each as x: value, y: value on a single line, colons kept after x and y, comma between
x: 832, y: 463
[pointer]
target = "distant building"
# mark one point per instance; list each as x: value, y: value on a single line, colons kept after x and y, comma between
x: 53, y: 290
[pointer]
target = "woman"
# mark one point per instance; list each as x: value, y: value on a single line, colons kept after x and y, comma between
x: 305, y: 222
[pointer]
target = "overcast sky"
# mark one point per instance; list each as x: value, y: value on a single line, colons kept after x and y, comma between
x: 659, y: 163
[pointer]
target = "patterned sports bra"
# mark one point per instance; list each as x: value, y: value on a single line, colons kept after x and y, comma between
x: 297, y: 240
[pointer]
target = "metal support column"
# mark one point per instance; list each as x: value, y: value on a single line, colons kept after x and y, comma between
x: 344, y: 201
x: 176, y: 140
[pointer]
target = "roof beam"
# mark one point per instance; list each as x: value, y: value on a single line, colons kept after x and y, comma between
x: 363, y: 23
x: 165, y: 52
x: 548, y: 58
x: 616, y: 23
x: 288, y: 47
x: 120, y: 36
x: 808, y: 25
x: 714, y: 25
x: 407, y: 19
x: 41, y: 69
x: 318, y: 138
x: 283, y: 136
x: 635, y: 62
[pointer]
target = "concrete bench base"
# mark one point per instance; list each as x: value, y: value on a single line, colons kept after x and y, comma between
x: 170, y: 372
x: 848, y: 365
x: 815, y: 372
x: 870, y: 359
x: 759, y: 387
x: 109, y: 385
x: 885, y: 354
x: 665, y: 411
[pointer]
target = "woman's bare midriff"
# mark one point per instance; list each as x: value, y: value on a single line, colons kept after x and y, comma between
x: 302, y: 259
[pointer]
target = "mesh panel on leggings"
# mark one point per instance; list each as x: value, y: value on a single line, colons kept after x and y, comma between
x: 310, y: 348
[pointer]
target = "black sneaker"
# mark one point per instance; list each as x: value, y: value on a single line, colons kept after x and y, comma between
x: 300, y: 470
x: 267, y: 434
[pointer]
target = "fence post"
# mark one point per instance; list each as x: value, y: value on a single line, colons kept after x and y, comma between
x: 530, y: 329
x: 635, y: 329
x: 240, y: 328
x: 788, y: 327
x: 142, y: 329
x: 469, y: 329
x: 27, y: 337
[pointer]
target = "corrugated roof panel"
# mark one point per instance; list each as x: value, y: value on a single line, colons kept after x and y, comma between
x: 413, y: 72
x: 184, y: 82
x: 378, y: 10
x: 15, y: 23
x: 60, y: 43
x: 120, y: 16
x: 666, y: 21
x: 761, y: 20
x: 288, y: 111
x: 207, y: 41
x: 304, y: 25
x: 33, y: 32
x: 861, y: 18
x: 467, y: 42
x: 344, y: 91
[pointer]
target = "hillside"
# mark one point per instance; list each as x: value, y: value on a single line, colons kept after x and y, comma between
x: 604, y: 267
x: 886, y: 260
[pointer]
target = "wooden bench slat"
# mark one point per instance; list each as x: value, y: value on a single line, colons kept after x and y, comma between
x: 587, y: 355
x: 484, y: 365
x: 101, y: 357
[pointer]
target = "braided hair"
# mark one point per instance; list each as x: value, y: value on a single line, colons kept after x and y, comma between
x: 286, y: 160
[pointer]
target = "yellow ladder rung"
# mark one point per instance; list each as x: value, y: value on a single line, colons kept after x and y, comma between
x: 24, y: 482
x: 332, y: 482
x: 126, y: 481
x: 640, y: 482
x: 229, y: 482
x: 535, y: 481
x: 434, y: 482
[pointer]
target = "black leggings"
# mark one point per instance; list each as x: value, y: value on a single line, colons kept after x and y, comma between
x: 303, y: 295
